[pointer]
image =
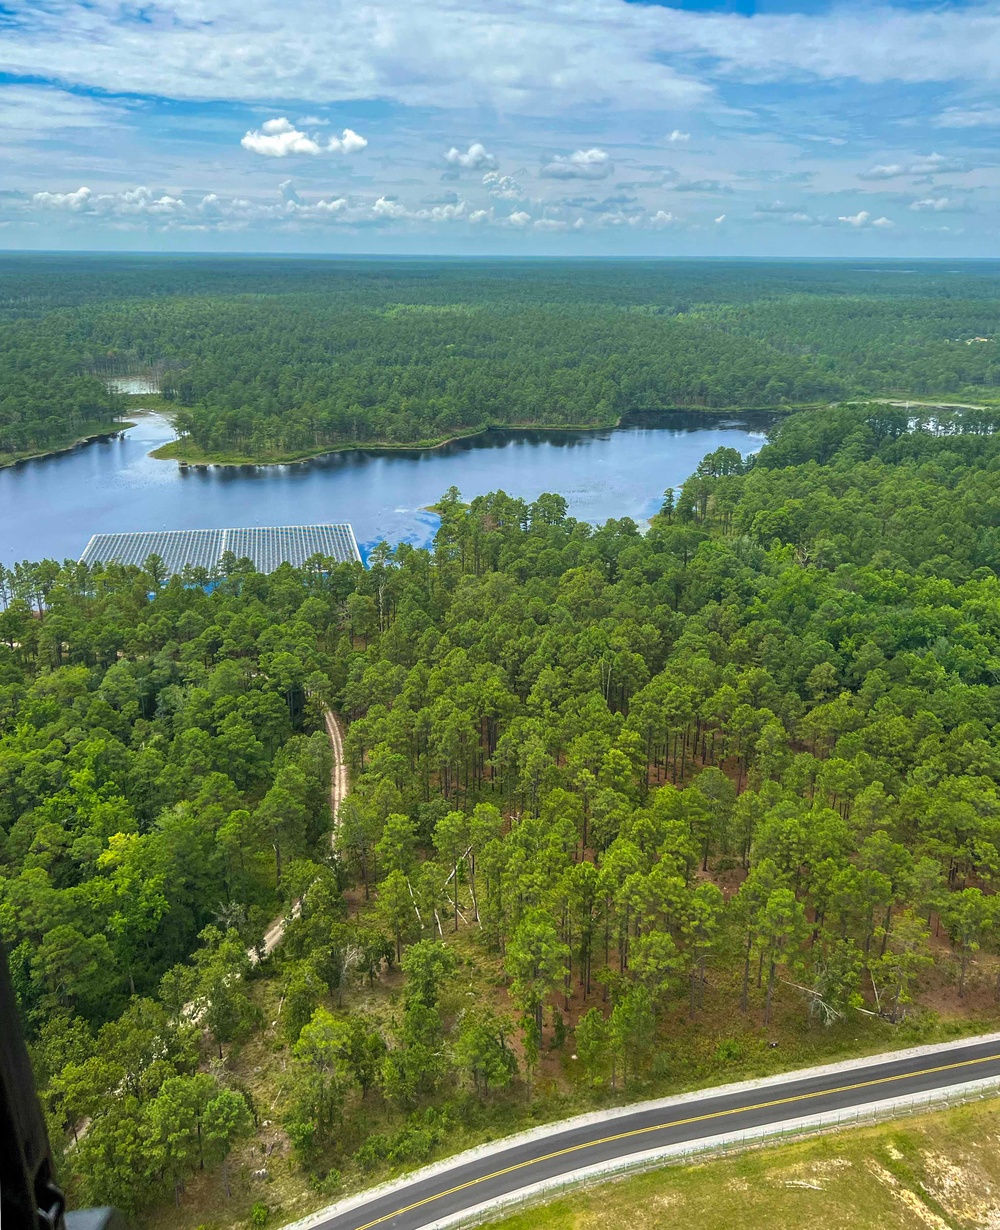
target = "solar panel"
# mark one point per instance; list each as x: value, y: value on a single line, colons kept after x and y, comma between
x: 266, y: 546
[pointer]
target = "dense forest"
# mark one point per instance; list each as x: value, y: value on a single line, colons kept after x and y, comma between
x: 624, y: 807
x: 269, y: 360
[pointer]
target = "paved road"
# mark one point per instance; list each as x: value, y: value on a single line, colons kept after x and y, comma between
x: 704, y: 1114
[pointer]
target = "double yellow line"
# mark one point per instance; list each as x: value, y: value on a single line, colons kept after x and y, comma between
x: 656, y: 1127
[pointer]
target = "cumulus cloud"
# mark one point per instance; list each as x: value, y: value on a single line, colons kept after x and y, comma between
x: 278, y: 138
x: 349, y: 142
x: 389, y: 207
x: 863, y: 219
x: 677, y: 137
x: 662, y: 218
x: 475, y: 158
x: 133, y: 202
x: 75, y: 201
x: 321, y: 208
x: 287, y: 209
x: 519, y: 218
x: 581, y: 164
x: 503, y: 187
x: 928, y: 164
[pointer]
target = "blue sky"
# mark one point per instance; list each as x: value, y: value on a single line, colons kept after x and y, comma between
x: 548, y: 127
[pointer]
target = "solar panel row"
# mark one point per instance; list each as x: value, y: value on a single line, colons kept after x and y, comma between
x: 266, y: 546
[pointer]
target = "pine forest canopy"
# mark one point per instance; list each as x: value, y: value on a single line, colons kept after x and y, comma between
x: 264, y: 359
x: 611, y: 793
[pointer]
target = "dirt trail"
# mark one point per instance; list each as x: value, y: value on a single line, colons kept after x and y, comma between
x: 338, y: 789
x: 272, y: 937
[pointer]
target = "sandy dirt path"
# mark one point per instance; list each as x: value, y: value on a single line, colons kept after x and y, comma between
x: 338, y: 789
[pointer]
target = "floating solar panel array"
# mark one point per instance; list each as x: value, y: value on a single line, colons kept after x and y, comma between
x: 266, y: 546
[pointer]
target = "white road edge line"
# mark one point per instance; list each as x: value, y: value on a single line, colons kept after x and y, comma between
x: 862, y: 1116
x: 617, y: 1112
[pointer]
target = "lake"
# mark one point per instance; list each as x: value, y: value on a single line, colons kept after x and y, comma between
x: 49, y: 507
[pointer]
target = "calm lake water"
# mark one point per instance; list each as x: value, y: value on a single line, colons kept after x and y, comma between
x: 49, y: 507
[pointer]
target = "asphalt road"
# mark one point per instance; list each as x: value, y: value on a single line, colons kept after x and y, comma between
x: 508, y: 1169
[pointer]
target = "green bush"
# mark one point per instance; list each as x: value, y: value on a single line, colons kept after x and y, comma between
x: 730, y: 1050
x: 326, y: 1185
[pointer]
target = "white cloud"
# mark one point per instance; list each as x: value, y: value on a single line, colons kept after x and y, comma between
x: 133, y: 202
x: 503, y: 187
x: 661, y: 219
x: 982, y: 116
x: 925, y: 164
x: 476, y: 158
x: 74, y: 201
x: 327, y: 208
x: 389, y: 207
x: 518, y: 219
x: 550, y: 224
x: 30, y: 112
x: 454, y: 55
x: 935, y: 204
x: 532, y: 58
x: 863, y: 219
x: 720, y: 218
x: 581, y: 164
x: 136, y: 207
x: 349, y: 142
x: 677, y: 136
x: 278, y: 138
x: 443, y: 213
x: 779, y: 212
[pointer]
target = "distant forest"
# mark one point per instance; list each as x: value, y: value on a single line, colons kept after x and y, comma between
x: 268, y: 359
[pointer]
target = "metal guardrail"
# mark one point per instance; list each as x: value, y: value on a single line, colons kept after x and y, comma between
x: 751, y: 1139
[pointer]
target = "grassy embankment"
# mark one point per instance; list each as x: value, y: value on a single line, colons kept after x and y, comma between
x: 936, y: 1172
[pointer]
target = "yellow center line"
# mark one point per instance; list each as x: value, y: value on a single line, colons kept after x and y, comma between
x: 715, y: 1114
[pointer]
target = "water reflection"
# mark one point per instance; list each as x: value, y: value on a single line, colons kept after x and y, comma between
x: 51, y: 506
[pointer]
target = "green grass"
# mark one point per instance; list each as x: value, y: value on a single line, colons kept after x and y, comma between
x: 936, y: 1171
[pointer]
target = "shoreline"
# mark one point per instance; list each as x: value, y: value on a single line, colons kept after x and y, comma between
x: 170, y: 451
x: 105, y: 433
